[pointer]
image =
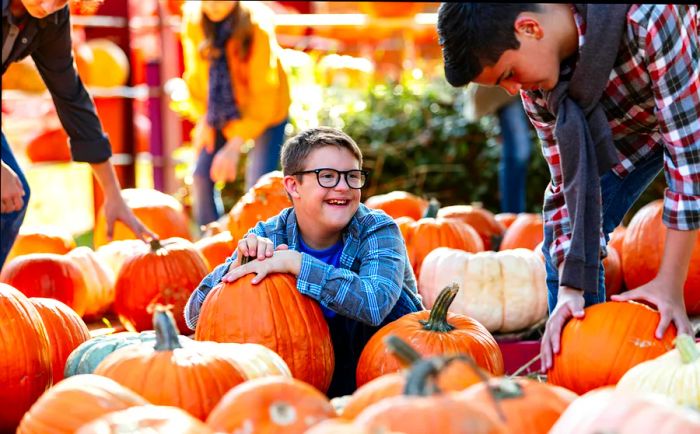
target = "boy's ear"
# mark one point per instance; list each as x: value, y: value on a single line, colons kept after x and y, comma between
x: 291, y: 185
x: 527, y: 25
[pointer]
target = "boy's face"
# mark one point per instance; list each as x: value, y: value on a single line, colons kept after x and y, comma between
x: 533, y: 66
x: 328, y: 209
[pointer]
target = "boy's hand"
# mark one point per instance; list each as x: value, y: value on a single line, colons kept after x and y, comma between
x: 667, y: 299
x: 257, y: 248
x: 570, y: 303
x: 283, y: 261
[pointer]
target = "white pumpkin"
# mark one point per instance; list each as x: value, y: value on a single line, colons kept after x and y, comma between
x: 99, y: 280
x: 675, y: 374
x: 505, y: 291
x: 115, y: 253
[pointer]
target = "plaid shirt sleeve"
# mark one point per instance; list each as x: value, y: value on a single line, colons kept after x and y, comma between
x: 367, y: 296
x: 672, y: 44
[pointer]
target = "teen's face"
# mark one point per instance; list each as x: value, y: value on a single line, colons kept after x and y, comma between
x: 330, y: 209
x: 533, y: 66
x: 217, y: 10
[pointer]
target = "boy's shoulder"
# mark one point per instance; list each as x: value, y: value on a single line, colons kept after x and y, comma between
x: 369, y: 219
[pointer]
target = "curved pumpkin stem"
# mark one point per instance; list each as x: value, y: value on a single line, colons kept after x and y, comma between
x: 433, y: 208
x: 437, y: 321
x: 167, y: 338
x: 402, y: 350
x: 422, y: 377
x: 687, y: 348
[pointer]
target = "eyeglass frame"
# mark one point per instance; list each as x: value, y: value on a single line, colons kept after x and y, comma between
x: 339, y: 172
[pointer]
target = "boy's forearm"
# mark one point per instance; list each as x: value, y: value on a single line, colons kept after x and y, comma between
x: 676, y: 257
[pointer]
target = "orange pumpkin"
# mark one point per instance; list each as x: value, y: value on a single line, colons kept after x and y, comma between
x: 66, y: 331
x: 162, y: 272
x: 193, y: 377
x: 161, y: 213
x: 43, y: 239
x: 526, y: 232
x: 506, y: 218
x: 628, y: 328
x: 25, y: 364
x: 76, y: 401
x: 216, y: 245
x: 110, y: 65
x: 432, y: 332
x: 527, y: 406
x: 483, y: 220
x: 99, y: 280
x: 50, y: 145
x: 268, y: 405
x: 613, y: 272
x: 48, y: 275
x: 275, y: 314
x: 617, y: 237
x: 265, y: 199
x: 399, y: 204
x: 643, y: 248
x: 153, y: 419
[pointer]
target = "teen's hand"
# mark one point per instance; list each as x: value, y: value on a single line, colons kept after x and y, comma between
x: 203, y: 136
x: 570, y: 304
x: 667, y: 299
x: 257, y: 247
x: 225, y: 163
x: 283, y: 261
x: 116, y: 209
x: 11, y: 190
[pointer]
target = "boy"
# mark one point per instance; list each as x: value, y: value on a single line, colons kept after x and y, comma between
x: 613, y: 91
x: 351, y: 259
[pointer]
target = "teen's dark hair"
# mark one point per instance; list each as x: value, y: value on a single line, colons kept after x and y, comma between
x: 475, y: 35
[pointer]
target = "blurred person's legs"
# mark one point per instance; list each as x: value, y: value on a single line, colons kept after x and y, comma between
x: 11, y: 222
x: 515, y: 156
x: 265, y: 155
x: 207, y: 205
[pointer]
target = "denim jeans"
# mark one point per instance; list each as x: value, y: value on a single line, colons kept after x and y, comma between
x: 618, y: 195
x: 517, y: 147
x: 10, y: 222
x: 263, y: 158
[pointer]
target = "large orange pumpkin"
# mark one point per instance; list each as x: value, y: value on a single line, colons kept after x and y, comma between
x: 76, y: 401
x: 162, y: 272
x: 269, y: 405
x: 612, y: 337
x: 432, y: 332
x: 526, y: 232
x: 153, y: 419
x: 49, y: 145
x: 66, y: 331
x: 399, y: 204
x: 193, y: 377
x: 43, y: 239
x: 265, y: 199
x: 48, y: 275
x: 275, y: 314
x: 643, y: 248
x: 483, y: 220
x: 25, y: 364
x: 99, y: 281
x: 161, y: 213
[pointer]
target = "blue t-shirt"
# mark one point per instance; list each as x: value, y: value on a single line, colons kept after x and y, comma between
x: 330, y: 256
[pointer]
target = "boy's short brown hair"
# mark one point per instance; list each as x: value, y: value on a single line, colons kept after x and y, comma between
x: 296, y: 150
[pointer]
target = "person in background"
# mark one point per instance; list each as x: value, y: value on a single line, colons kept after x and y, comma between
x: 515, y: 133
x: 41, y: 28
x: 238, y: 90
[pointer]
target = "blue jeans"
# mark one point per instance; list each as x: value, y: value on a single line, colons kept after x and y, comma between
x: 517, y: 147
x: 263, y: 158
x: 618, y: 195
x: 10, y: 222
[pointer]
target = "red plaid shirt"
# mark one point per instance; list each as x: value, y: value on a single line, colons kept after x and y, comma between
x: 652, y: 100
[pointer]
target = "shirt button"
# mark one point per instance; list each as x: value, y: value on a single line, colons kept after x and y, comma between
x: 24, y: 40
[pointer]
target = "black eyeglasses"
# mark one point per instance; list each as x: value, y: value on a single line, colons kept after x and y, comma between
x: 329, y: 178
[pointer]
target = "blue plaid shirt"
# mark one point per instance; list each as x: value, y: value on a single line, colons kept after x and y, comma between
x: 374, y: 283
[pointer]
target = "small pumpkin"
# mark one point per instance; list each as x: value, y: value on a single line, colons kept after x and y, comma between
x: 526, y: 231
x: 216, y: 245
x: 264, y: 199
x: 49, y: 145
x: 48, y: 275
x: 481, y: 219
x: 66, y: 331
x: 161, y: 272
x: 76, y: 401
x: 675, y: 374
x: 585, y: 362
x: 41, y: 239
x: 25, y: 364
x: 399, y: 204
x: 151, y: 419
x: 431, y: 332
x: 272, y: 404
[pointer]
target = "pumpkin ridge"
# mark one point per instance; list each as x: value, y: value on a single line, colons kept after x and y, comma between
x: 307, y: 328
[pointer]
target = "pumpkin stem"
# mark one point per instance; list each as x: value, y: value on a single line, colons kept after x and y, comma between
x: 433, y: 208
x: 437, y: 321
x: 402, y: 350
x: 687, y: 348
x: 166, y: 331
x: 422, y: 377
x: 155, y: 244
